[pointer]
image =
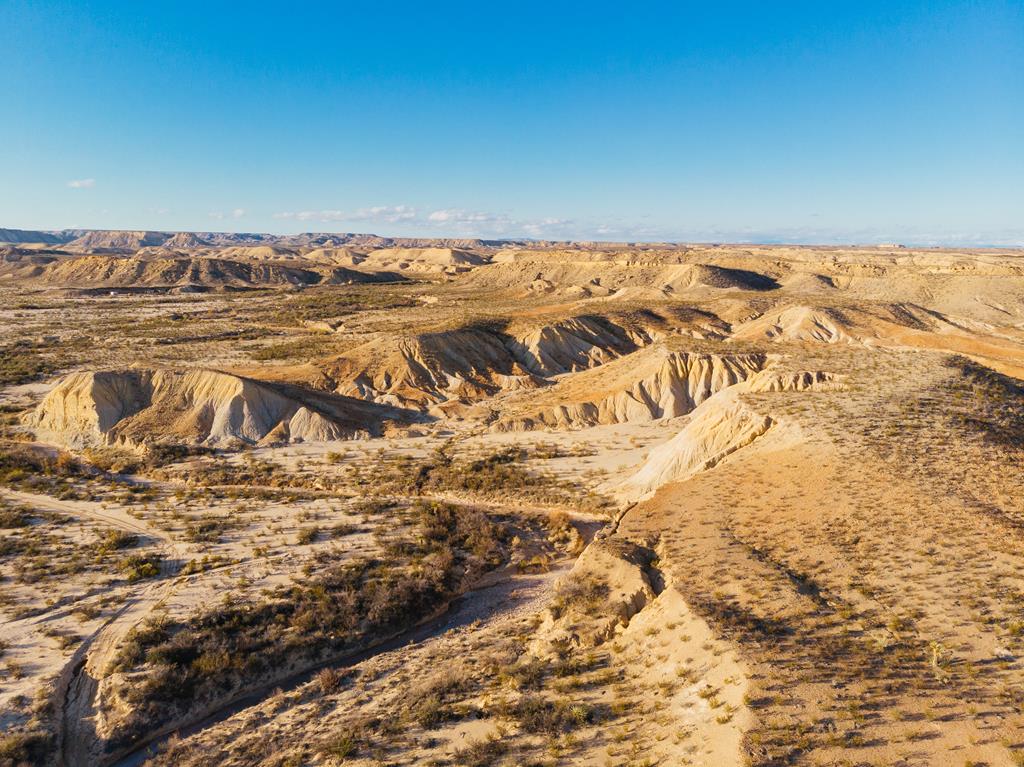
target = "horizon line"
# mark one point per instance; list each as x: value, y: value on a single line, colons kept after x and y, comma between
x: 511, y: 240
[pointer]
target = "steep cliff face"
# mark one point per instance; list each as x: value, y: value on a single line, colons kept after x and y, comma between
x: 721, y: 425
x: 476, y: 362
x: 575, y: 344
x: 134, y: 407
x: 431, y: 368
x: 659, y: 384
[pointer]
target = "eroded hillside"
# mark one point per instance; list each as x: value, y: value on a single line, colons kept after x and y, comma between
x: 344, y: 500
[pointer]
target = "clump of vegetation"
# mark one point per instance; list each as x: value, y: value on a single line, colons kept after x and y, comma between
x: 208, y: 528
x: 26, y: 468
x: 587, y: 595
x: 113, y: 460
x: 344, y: 606
x: 301, y: 349
x: 162, y: 453
x: 481, y: 753
x: 335, y: 301
x: 537, y: 714
x: 114, y: 540
x: 23, y: 362
x: 341, y: 745
x: 495, y: 476
x: 429, y: 701
x: 988, y: 402
x: 26, y: 747
x: 13, y: 516
x: 136, y: 568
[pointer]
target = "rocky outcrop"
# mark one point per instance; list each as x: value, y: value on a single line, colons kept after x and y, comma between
x: 116, y: 241
x: 664, y: 384
x: 431, y: 368
x: 575, y: 344
x: 135, y: 407
x: 719, y: 427
x: 616, y: 573
x: 474, y: 362
x: 801, y: 380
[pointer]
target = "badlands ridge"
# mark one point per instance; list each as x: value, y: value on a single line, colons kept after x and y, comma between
x: 347, y: 499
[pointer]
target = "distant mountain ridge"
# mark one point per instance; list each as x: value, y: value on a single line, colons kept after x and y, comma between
x: 125, y: 240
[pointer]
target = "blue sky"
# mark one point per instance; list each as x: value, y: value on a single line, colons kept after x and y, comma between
x: 742, y: 121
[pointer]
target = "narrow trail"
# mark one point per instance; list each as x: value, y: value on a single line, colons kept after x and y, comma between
x: 108, y: 516
x: 79, y: 681
x: 75, y: 687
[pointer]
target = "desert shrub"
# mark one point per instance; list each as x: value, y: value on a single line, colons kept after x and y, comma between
x: 338, y: 610
x: 584, y: 594
x: 329, y: 679
x: 341, y: 745
x: 21, y: 362
x: 428, y: 700
x: 536, y: 714
x: 481, y: 753
x: 30, y: 747
x: 207, y: 528
x: 25, y: 467
x: 137, y: 567
x: 207, y: 562
x: 993, y: 405
x: 12, y: 517
x: 112, y: 460
x: 528, y: 674
x: 373, y: 506
x: 113, y: 540
x: 162, y: 453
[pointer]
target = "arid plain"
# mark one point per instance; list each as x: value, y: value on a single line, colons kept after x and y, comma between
x: 345, y: 499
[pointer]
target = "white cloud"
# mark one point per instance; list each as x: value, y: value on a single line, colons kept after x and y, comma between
x: 483, y: 224
x: 217, y: 214
x: 456, y: 221
x: 82, y: 183
x: 387, y: 214
x: 547, y: 227
x: 238, y: 213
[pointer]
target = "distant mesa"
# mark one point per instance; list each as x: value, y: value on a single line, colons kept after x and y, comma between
x: 93, y: 242
x: 185, y: 241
